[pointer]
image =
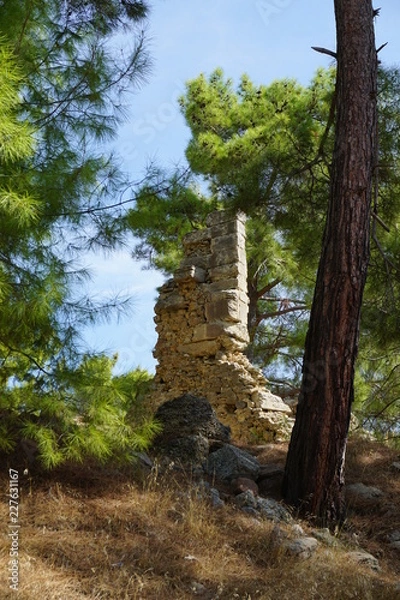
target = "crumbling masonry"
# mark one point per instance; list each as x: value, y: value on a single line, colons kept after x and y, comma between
x: 201, y: 318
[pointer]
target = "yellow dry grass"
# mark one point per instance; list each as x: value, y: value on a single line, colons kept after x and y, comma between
x: 87, y: 533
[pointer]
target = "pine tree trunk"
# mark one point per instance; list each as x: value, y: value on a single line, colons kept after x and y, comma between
x: 314, y: 474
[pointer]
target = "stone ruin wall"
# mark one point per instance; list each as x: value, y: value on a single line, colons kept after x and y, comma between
x: 201, y: 321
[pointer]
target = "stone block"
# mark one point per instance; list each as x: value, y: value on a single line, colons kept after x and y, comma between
x: 200, y: 348
x: 236, y: 227
x: 269, y: 402
x: 220, y: 272
x: 171, y: 302
x: 197, y: 237
x: 238, y: 282
x: 207, y: 331
x: 192, y: 272
x: 220, y: 216
x: 226, y: 250
x: 236, y: 336
x: 201, y: 262
x: 223, y: 309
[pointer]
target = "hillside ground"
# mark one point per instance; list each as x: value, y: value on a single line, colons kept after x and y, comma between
x: 106, y: 533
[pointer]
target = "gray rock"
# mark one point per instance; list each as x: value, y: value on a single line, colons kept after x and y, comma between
x: 395, y: 545
x: 246, y: 499
x: 216, y: 501
x: 270, y: 471
x: 270, y: 480
x: 363, y: 492
x: 242, y: 484
x: 230, y: 462
x: 298, y: 530
x: 396, y: 466
x: 143, y: 460
x: 251, y: 511
x: 188, y: 424
x: 191, y: 449
x: 198, y: 588
x: 279, y: 536
x: 394, y: 536
x: 271, y: 509
x: 188, y: 415
x: 364, y: 558
x: 302, y: 547
x: 325, y: 536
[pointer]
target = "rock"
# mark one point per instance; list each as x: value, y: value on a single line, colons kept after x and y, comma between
x: 192, y: 449
x: 325, y: 536
x: 271, y: 509
x: 251, y: 511
x: 279, y: 536
x: 396, y: 466
x: 395, y: 545
x: 229, y: 463
x: 205, y: 492
x: 246, y: 500
x: 262, y: 507
x: 280, y: 424
x: 242, y: 484
x: 215, y: 498
x: 364, y: 558
x: 394, y: 536
x: 359, y: 491
x: 198, y: 588
x: 143, y: 460
x: 297, y: 530
x: 270, y: 402
x: 188, y: 424
x: 189, y: 415
x: 269, y: 480
x: 302, y: 547
x: 268, y: 471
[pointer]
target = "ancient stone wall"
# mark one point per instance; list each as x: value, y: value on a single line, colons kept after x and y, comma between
x: 201, y: 319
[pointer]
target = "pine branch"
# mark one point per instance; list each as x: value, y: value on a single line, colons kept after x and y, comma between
x: 279, y: 313
x: 324, y: 51
x: 268, y: 287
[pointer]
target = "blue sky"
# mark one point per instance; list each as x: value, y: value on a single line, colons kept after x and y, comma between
x: 267, y: 39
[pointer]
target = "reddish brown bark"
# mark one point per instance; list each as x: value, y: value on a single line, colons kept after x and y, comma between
x: 314, y: 474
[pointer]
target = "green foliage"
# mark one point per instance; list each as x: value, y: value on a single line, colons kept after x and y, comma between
x: 62, y: 84
x: 75, y: 76
x: 267, y: 150
x: 88, y: 412
x: 16, y: 144
x: 246, y: 142
x: 377, y: 392
x: 165, y: 210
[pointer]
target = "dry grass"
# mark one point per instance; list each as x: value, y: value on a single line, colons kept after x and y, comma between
x: 96, y: 534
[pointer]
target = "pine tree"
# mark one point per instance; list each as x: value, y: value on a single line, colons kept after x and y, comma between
x: 61, y: 99
x: 315, y: 467
x: 267, y: 150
